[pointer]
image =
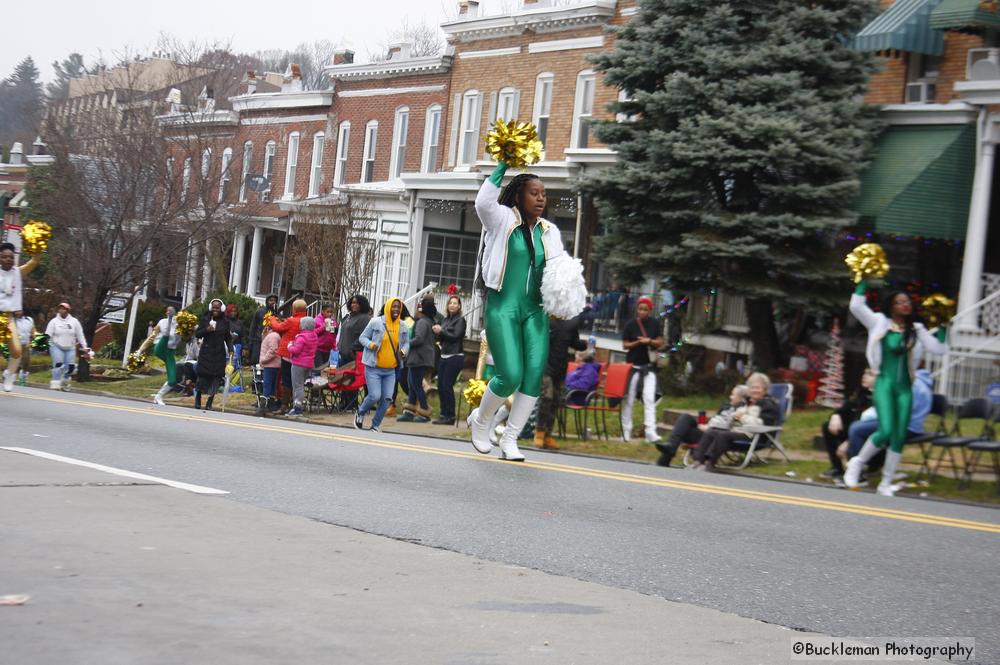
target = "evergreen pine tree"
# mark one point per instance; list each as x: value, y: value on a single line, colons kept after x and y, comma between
x: 831, y: 386
x: 741, y: 153
x: 21, y: 104
x: 70, y: 68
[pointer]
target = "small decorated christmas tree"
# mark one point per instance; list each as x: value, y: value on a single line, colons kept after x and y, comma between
x: 831, y: 386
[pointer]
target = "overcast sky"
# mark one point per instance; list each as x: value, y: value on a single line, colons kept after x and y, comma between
x: 50, y: 30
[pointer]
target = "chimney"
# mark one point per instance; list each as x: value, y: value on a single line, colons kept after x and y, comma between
x: 17, y: 154
x: 39, y: 146
x: 400, y: 50
x: 535, y: 4
x: 251, y: 82
x: 292, y: 80
x: 343, y: 56
x: 468, y: 8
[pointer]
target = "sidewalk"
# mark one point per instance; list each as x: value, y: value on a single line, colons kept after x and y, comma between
x: 124, y: 571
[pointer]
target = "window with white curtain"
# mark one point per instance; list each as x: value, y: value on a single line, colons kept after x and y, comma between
x: 432, y: 139
x: 206, y: 164
x: 316, y: 172
x: 245, y: 170
x: 291, y: 165
x: 583, y: 110
x: 340, y: 170
x: 269, y: 151
x: 225, y: 176
x: 400, y: 133
x: 368, y: 156
x: 186, y: 179
x: 543, y: 104
x: 472, y: 105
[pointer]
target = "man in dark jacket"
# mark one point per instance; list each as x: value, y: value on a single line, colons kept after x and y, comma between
x: 563, y: 335
x: 257, y: 327
x: 419, y: 359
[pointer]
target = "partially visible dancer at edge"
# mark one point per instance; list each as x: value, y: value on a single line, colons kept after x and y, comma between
x: 11, y: 300
x: 386, y: 341
x: 213, y: 331
x: 26, y: 331
x: 896, y: 345
x: 639, y: 336
x: 65, y: 335
x: 518, y: 242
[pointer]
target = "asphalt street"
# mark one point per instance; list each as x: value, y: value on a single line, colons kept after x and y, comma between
x: 807, y: 558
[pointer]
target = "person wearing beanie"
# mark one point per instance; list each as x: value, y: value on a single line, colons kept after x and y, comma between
x: 288, y: 329
x: 302, y: 355
x: 640, y: 335
x: 418, y: 361
x: 213, y: 331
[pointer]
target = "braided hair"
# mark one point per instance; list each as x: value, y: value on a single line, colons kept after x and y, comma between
x: 509, y: 197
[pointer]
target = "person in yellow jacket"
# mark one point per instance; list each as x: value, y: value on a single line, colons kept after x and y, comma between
x: 384, y: 342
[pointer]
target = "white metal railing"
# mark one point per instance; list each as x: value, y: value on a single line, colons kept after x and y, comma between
x: 972, y: 361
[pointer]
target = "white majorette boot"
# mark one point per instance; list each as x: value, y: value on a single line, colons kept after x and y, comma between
x: 479, y: 421
x: 855, y: 465
x: 520, y: 411
x: 10, y: 374
x: 886, y: 486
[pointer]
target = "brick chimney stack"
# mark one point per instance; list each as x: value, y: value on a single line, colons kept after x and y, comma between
x: 468, y: 8
x: 343, y: 57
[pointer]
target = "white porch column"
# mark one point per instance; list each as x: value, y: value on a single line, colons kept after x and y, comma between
x: 239, y: 250
x: 253, y: 276
x: 416, y: 249
x: 190, y: 274
x: 206, y: 272
x: 971, y: 288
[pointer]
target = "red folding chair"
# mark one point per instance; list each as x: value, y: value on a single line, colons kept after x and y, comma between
x: 610, y: 394
x: 344, y: 387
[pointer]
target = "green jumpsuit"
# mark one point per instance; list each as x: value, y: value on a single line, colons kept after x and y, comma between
x: 893, y: 393
x: 516, y: 324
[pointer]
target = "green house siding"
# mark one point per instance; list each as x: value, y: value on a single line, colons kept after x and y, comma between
x: 961, y: 14
x: 920, y: 182
x: 905, y: 26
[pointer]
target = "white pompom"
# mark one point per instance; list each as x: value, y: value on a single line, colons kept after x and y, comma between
x: 564, y: 291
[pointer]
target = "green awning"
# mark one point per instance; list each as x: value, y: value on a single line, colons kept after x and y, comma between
x: 963, y: 14
x: 920, y: 182
x: 905, y: 26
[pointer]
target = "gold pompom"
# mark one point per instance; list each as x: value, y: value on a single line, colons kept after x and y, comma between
x: 473, y: 392
x: 938, y: 309
x: 514, y: 143
x: 867, y: 260
x: 35, y: 237
x: 268, y: 318
x: 186, y: 323
x: 136, y: 361
x: 4, y: 328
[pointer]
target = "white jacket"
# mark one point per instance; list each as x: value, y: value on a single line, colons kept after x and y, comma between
x: 65, y: 333
x: 499, y: 222
x: 878, y: 325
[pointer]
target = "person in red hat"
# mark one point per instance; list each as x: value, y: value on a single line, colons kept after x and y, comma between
x: 65, y: 335
x: 641, y: 335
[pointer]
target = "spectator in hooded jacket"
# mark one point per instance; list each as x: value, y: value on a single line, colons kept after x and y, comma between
x: 326, y: 335
x: 213, y: 331
x: 288, y: 329
x: 418, y: 361
x: 257, y: 326
x: 270, y: 364
x: 451, y: 335
x: 302, y: 354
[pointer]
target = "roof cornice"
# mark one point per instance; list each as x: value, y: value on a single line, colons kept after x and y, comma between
x: 202, y: 118
x: 543, y: 20
x: 281, y: 100
x: 435, y: 64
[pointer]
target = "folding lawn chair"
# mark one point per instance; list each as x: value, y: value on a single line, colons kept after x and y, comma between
x: 974, y: 409
x: 344, y: 387
x: 987, y: 444
x: 761, y: 437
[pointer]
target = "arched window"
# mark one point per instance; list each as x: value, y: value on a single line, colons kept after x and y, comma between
x: 291, y: 165
x: 316, y: 172
x: 400, y: 133
x: 543, y: 104
x: 583, y: 109
x: 508, y: 102
x: 270, y: 149
x: 225, y: 174
x: 472, y: 109
x: 343, y: 139
x: 432, y: 139
x: 245, y: 170
x: 368, y: 156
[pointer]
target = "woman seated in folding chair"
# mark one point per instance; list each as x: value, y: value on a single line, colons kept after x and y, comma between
x: 687, y: 429
x: 760, y: 409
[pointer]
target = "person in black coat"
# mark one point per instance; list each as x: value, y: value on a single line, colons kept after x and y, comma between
x: 213, y: 331
x: 351, y: 327
x: 451, y: 335
x: 835, y: 428
x: 761, y: 409
x: 257, y: 327
x: 563, y: 335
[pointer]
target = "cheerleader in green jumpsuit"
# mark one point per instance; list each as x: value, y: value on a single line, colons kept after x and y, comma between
x: 517, y: 244
x: 896, y: 345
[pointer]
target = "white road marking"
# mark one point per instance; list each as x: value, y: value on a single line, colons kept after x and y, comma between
x: 197, y: 489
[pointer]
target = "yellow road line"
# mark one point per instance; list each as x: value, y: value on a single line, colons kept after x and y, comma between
x: 770, y: 497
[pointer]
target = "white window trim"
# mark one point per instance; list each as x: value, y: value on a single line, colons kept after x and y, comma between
x: 431, y: 149
x: 513, y: 95
x: 270, y: 152
x: 245, y: 170
x: 400, y: 136
x: 206, y: 163
x: 316, y: 170
x: 291, y: 165
x: 225, y: 176
x: 343, y: 141
x: 472, y: 111
x: 368, y: 155
x: 581, y: 78
x: 186, y: 178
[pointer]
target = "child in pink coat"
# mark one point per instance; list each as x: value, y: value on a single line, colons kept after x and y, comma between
x: 302, y: 352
